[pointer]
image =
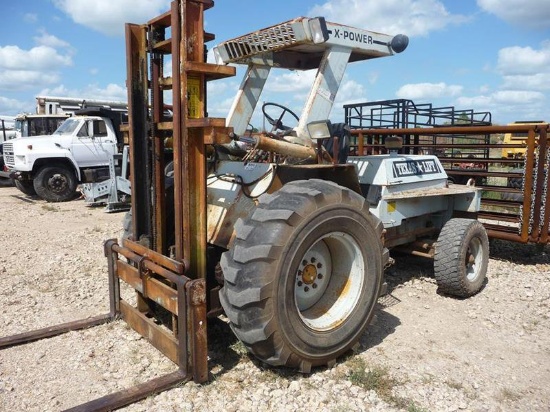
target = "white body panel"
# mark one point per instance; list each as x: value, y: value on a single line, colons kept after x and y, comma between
x: 400, y: 187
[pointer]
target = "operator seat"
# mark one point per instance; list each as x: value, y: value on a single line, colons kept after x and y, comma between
x: 342, y: 131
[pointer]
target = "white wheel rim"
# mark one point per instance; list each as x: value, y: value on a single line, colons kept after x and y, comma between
x: 329, y: 281
x: 474, y: 258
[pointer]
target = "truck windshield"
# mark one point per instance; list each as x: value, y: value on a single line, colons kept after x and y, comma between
x: 67, y: 127
x: 18, y: 124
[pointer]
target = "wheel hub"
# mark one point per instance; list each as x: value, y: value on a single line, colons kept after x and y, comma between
x: 57, y: 183
x: 309, y: 274
x: 473, y: 256
x: 329, y: 281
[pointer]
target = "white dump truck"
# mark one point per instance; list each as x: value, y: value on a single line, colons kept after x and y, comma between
x: 79, y: 151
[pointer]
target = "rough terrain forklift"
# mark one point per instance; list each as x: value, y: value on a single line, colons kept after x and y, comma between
x: 281, y: 231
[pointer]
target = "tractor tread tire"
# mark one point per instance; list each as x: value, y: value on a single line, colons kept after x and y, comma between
x: 259, y: 257
x: 450, y: 254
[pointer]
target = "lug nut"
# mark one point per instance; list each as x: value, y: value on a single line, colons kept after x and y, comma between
x: 300, y: 283
x: 314, y: 285
x: 319, y: 265
x: 306, y: 289
x: 313, y: 260
x: 319, y: 276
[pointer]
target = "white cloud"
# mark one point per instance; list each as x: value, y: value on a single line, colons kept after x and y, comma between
x: 525, y: 13
x: 538, y: 81
x: 12, y: 106
x: 525, y: 68
x: 49, y: 40
x: 112, y: 92
x: 24, y: 69
x: 298, y: 82
x: 26, y: 79
x: 524, y: 60
x: 511, y: 104
x: 39, y: 58
x: 221, y: 109
x: 428, y: 91
x: 350, y: 92
x: 410, y: 17
x: 107, y: 16
x: 514, y: 97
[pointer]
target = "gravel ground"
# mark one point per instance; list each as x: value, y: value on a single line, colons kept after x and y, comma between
x: 423, y: 352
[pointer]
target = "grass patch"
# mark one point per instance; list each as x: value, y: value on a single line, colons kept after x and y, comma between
x: 50, y: 208
x: 239, y: 348
x: 455, y: 385
x: 415, y: 408
x: 509, y: 395
x: 377, y: 379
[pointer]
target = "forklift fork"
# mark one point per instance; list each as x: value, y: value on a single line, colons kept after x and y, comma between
x: 155, y: 278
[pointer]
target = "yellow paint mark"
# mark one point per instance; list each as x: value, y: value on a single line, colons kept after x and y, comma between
x: 391, y: 207
x: 193, y: 97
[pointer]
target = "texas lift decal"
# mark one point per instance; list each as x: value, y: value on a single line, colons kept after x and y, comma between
x: 415, y: 167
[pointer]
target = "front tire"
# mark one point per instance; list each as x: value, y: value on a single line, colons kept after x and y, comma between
x: 304, y: 274
x: 55, y: 184
x: 25, y: 186
x: 461, y: 258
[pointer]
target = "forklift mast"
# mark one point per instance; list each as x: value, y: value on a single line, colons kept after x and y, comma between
x: 179, y: 33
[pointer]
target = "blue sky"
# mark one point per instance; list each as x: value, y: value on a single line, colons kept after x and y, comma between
x: 486, y: 55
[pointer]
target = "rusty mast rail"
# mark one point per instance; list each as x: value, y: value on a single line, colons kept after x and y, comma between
x: 170, y: 304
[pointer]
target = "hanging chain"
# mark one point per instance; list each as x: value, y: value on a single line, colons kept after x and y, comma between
x: 544, y: 188
x: 533, y: 191
x: 520, y: 224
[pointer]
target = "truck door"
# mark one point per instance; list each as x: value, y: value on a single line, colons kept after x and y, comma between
x: 93, y: 145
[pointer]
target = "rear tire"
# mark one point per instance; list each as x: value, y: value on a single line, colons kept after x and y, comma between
x: 304, y: 274
x: 516, y: 183
x: 25, y: 186
x: 461, y: 258
x: 55, y: 184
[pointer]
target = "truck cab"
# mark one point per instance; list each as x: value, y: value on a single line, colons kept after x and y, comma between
x: 79, y: 151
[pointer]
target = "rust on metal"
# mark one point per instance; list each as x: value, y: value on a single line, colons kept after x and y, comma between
x: 285, y: 148
x: 196, y: 294
x: 133, y: 394
x: 175, y: 286
x: 50, y: 331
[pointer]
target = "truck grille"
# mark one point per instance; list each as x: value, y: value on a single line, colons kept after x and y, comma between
x: 9, y: 160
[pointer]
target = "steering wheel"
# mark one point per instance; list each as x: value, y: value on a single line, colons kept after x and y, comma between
x: 278, y: 124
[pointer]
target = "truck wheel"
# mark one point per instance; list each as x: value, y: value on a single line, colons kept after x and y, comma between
x: 304, y: 274
x: 461, y: 257
x: 55, y: 184
x: 25, y: 186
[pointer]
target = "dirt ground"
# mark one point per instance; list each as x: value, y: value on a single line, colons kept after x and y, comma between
x: 423, y: 352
